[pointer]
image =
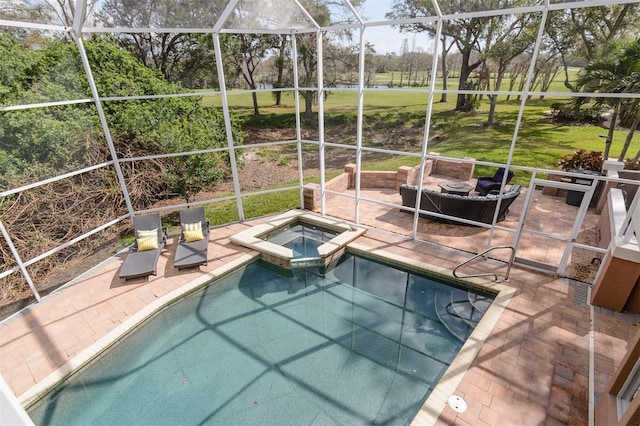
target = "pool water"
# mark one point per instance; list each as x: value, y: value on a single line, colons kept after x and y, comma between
x: 363, y: 343
x: 303, y: 239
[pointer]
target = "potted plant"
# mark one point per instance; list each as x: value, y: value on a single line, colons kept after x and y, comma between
x: 585, y: 162
x: 582, y: 159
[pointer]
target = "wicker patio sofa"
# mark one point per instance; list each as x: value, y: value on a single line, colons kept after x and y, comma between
x: 469, y: 207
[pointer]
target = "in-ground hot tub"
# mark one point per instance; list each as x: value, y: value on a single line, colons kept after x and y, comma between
x: 299, y: 239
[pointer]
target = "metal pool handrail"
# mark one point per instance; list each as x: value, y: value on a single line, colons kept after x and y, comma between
x: 495, y: 277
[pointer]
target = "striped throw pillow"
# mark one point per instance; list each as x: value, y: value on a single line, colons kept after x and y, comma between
x: 192, y: 232
x: 147, y: 240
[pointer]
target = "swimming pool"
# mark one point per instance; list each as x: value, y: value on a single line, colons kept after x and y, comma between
x: 302, y: 238
x: 299, y: 239
x: 363, y: 343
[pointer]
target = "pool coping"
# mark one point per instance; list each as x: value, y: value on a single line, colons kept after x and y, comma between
x: 429, y: 412
x: 252, y: 237
x: 42, y: 388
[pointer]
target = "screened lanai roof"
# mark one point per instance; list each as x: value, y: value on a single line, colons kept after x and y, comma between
x: 257, y: 16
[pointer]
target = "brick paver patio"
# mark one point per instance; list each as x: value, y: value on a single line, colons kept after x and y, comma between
x: 532, y: 369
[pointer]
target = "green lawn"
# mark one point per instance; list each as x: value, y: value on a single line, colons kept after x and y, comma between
x: 540, y: 142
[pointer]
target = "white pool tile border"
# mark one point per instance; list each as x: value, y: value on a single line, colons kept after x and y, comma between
x: 251, y: 237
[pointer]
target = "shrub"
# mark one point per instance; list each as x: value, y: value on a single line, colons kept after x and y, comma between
x: 629, y: 164
x: 582, y: 160
x: 572, y: 112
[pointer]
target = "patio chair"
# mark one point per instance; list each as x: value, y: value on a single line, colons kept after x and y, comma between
x: 486, y: 184
x: 194, y: 239
x: 142, y: 259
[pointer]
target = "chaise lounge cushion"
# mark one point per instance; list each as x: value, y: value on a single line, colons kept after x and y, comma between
x: 193, y: 246
x: 142, y: 260
x: 474, y: 208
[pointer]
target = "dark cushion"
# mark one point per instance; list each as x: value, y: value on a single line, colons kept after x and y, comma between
x: 485, y: 184
x: 475, y: 208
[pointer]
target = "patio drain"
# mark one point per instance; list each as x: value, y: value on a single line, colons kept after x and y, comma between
x: 458, y: 404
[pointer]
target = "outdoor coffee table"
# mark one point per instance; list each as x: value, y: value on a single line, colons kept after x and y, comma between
x: 457, y: 188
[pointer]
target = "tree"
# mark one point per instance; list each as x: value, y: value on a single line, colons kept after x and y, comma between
x: 281, y: 60
x: 65, y: 138
x: 588, y: 32
x: 197, y: 67
x: 323, y: 14
x: 341, y: 64
x: 54, y: 141
x: 632, y: 107
x: 446, y: 47
x: 65, y: 10
x: 37, y: 143
x: 245, y: 52
x: 164, y: 51
x: 517, y: 70
x: 404, y: 51
x: 308, y: 58
x: 508, y: 37
x: 465, y: 33
x: 547, y: 69
x: 19, y: 11
x: 55, y: 11
x: 188, y: 175
x: 14, y: 65
x: 612, y: 74
x: 308, y: 53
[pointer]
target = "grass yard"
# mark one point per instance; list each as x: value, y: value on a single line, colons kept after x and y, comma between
x: 395, y: 119
x: 540, y: 142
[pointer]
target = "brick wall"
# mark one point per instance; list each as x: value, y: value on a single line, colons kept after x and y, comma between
x: 452, y: 168
x: 375, y: 179
x: 311, y: 193
x: 554, y: 192
x: 606, y: 410
x: 410, y: 175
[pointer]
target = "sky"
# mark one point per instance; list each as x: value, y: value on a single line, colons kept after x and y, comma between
x: 387, y: 39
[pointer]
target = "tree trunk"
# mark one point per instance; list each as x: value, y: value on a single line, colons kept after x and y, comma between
x: 627, y: 141
x: 280, y: 68
x: 308, y: 103
x: 566, y: 82
x: 612, y: 126
x: 512, y: 82
x: 465, y: 72
x: 254, y: 96
x: 493, y: 99
x: 443, y: 98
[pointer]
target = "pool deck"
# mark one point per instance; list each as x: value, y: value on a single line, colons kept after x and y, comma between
x: 548, y: 215
x: 534, y: 367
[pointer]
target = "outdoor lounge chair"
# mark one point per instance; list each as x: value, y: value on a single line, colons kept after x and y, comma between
x: 194, y: 239
x: 486, y: 184
x: 142, y: 259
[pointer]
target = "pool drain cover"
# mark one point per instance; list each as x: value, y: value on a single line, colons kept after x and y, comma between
x: 458, y: 404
